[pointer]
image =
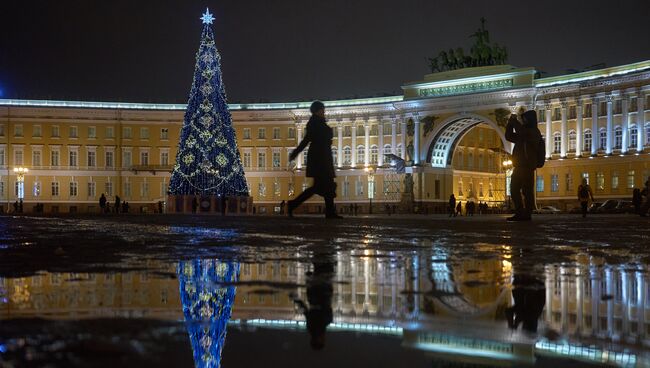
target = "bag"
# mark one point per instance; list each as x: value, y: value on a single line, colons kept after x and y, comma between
x: 583, y: 192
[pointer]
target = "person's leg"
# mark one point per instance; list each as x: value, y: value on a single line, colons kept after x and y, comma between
x: 528, y: 190
x: 293, y: 204
x: 516, y: 183
x: 583, y: 204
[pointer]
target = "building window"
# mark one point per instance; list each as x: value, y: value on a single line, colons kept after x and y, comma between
x: 110, y: 132
x: 2, y: 156
x: 91, y: 189
x: 18, y: 130
x: 630, y: 179
x: 164, y: 158
x: 399, y: 151
x: 164, y: 133
x: 587, y: 140
x: 347, y: 156
x: 335, y: 156
x: 572, y: 112
x: 54, y: 158
x: 541, y: 115
x: 144, y: 133
x: 585, y: 175
x: 74, y: 132
x: 618, y: 137
x: 261, y: 160
x: 603, y: 139
x: 460, y: 188
x: 290, y: 189
x: 126, y: 159
x: 276, y: 133
x: 587, y: 110
x: 144, y: 190
x: 555, y: 183
x: 540, y: 183
x: 2, y: 130
x: 247, y: 159
x: 18, y: 157
x: 291, y: 133
x: 568, y: 180
x: 108, y: 188
x: 347, y: 131
x: 55, y: 189
x: 277, y: 189
x: 480, y: 190
x: 73, y: 158
x: 55, y: 131
x: 261, y: 189
x: 127, y: 189
x: 247, y: 133
x: 346, y: 188
x: 600, y: 181
x: 374, y: 154
x: 480, y: 161
x: 126, y: 132
x: 108, y: 159
x: 557, y: 114
x: 92, y: 132
x: 73, y: 189
x: 572, y: 140
x: 144, y: 158
x: 261, y: 133
x: 276, y: 159
x: 614, y: 180
x: 557, y: 142
x: 36, y: 189
x: 634, y: 135
x: 37, y: 131
x: 387, y: 149
x: 36, y: 158
x: 361, y: 154
x: 647, y: 134
x: 2, y: 188
x: 92, y: 160
x: 359, y: 187
x: 470, y: 160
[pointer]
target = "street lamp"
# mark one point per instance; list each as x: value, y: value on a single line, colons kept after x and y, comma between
x: 20, y: 180
x: 507, y: 166
x: 371, y: 186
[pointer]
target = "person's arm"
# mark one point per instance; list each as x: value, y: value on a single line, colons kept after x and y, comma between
x: 305, y: 141
x: 511, y: 135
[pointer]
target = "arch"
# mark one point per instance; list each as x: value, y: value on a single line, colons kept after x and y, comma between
x: 445, y: 137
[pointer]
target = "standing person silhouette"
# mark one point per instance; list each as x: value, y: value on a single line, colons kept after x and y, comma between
x: 318, y: 135
x: 526, y: 137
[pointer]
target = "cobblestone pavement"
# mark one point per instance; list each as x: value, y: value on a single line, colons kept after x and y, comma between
x: 399, y: 290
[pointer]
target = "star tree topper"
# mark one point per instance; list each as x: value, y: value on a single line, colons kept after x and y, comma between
x: 207, y: 18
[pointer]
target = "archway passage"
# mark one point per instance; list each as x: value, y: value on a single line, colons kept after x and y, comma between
x: 450, y: 132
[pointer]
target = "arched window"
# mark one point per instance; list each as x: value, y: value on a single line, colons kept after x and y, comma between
x: 603, y: 138
x: 399, y: 151
x: 347, y: 156
x: 587, y: 140
x: 374, y: 154
x: 335, y: 156
x: 557, y: 142
x: 634, y: 136
x: 618, y: 137
x: 470, y: 160
x: 572, y: 140
x: 361, y: 154
x: 480, y: 162
x: 387, y: 149
x: 460, y: 187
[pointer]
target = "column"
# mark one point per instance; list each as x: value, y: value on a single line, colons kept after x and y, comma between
x: 595, y: 298
x: 625, y: 146
x: 640, y: 121
x: 610, y: 125
x: 339, y: 131
x: 380, y: 132
x: 393, y: 136
x: 299, y: 138
x: 580, y: 294
x: 366, y: 158
x: 403, y: 137
x: 354, y: 143
x: 416, y: 140
x: 609, y: 288
x: 549, y: 132
x: 563, y: 131
x: 640, y: 304
x: 595, y: 135
x: 626, y: 308
x: 564, y: 300
x: 579, y: 128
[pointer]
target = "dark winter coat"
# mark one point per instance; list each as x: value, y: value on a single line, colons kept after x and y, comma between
x: 319, y: 159
x: 526, y: 138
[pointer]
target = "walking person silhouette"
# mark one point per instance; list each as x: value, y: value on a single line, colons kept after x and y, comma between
x: 318, y: 135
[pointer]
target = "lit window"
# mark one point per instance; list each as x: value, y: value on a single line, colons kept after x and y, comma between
x: 73, y: 189
x: 164, y: 133
x: 557, y: 142
x: 618, y: 137
x: 261, y: 133
x: 540, y: 183
x: 555, y: 183
x: 144, y: 133
x: 74, y: 132
x: 261, y: 160
x: 347, y: 156
x: 600, y: 181
x: 247, y: 133
x: 92, y: 132
x: 276, y: 133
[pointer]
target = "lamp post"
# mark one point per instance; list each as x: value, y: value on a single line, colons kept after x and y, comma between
x: 371, y: 186
x: 507, y: 166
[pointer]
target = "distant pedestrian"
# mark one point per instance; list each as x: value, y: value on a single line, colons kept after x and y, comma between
x: 646, y: 205
x: 282, y: 207
x: 160, y: 207
x: 102, y: 203
x: 459, y: 208
x: 525, y: 159
x: 20, y: 206
x: 387, y: 209
x: 16, y: 207
x: 117, y: 203
x: 452, y: 205
x: 320, y: 167
x: 585, y: 195
x: 637, y: 199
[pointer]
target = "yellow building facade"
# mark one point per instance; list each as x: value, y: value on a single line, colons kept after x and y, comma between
x: 448, y: 129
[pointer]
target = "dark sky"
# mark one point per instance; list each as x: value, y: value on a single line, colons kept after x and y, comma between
x: 286, y: 50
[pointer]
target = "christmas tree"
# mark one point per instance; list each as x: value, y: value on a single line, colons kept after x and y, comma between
x: 208, y: 161
x: 207, y: 294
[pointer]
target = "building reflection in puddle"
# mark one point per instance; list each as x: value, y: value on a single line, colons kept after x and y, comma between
x: 432, y: 301
x: 207, y: 291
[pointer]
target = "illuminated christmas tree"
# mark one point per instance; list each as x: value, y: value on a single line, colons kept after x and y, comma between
x: 208, y: 161
x: 207, y: 293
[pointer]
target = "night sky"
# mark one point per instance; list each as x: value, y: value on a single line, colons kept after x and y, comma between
x: 287, y: 50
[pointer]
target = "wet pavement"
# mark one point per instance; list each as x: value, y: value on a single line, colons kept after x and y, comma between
x: 202, y: 291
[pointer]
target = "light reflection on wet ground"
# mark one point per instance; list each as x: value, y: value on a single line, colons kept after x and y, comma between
x: 131, y: 293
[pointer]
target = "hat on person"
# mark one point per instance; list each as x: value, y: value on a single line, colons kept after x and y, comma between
x: 530, y: 117
x: 316, y: 106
